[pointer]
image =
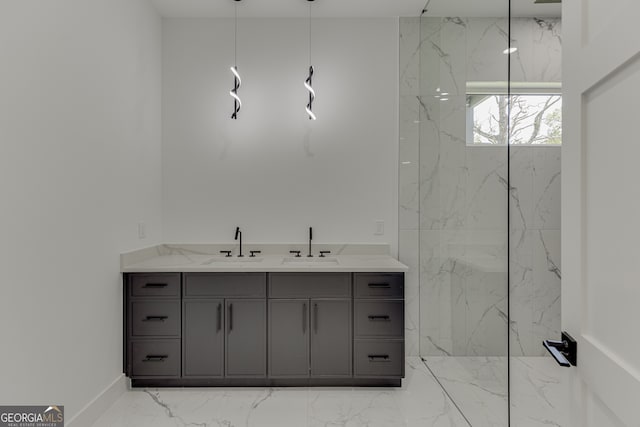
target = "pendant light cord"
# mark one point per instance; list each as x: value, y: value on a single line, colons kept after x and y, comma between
x: 237, y: 82
x: 308, y: 83
x: 310, y: 3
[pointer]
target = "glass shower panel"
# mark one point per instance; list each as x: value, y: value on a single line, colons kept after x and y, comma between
x: 535, y: 143
x: 453, y: 202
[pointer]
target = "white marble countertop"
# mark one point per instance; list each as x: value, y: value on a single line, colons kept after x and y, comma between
x: 206, y: 258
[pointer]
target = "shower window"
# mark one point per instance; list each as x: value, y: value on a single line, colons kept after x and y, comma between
x: 534, y: 119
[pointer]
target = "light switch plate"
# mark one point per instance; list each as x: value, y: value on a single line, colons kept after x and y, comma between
x: 379, y: 228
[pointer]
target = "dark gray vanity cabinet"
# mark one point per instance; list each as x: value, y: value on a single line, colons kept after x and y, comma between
x: 289, y: 338
x: 264, y: 329
x: 224, y: 331
x: 379, y: 325
x: 331, y: 338
x: 203, y: 338
x: 224, y: 338
x: 246, y: 343
x: 152, y: 325
x: 310, y: 325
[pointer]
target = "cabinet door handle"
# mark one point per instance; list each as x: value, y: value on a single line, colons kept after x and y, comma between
x: 219, y: 326
x: 155, y: 285
x: 155, y: 358
x: 383, y: 318
x: 378, y: 358
x: 230, y: 317
x: 155, y: 318
x: 315, y: 318
x: 304, y: 318
x: 380, y: 285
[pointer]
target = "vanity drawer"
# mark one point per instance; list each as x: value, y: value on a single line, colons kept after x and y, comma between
x: 154, y: 285
x: 158, y: 358
x: 250, y: 285
x: 310, y: 285
x: 379, y: 358
x: 379, y: 318
x: 160, y: 318
x: 379, y: 285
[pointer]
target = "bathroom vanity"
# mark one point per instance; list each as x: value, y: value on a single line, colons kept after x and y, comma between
x: 266, y: 323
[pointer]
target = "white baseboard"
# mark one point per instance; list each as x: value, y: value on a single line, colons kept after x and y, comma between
x: 94, y: 409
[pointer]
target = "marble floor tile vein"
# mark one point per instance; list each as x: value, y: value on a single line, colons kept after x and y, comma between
x: 437, y: 394
x: 420, y: 402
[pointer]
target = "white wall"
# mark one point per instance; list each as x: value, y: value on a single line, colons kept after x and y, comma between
x: 80, y: 160
x: 273, y: 172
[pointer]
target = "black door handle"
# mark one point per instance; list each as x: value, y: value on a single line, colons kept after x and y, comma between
x: 555, y: 347
x: 219, y: 325
x: 565, y: 351
x: 304, y: 318
x: 315, y: 318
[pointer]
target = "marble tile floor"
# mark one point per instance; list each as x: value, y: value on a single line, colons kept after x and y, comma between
x: 420, y: 402
x: 477, y: 385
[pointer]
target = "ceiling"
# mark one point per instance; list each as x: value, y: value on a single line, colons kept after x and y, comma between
x: 351, y: 8
x: 492, y: 8
x: 289, y: 8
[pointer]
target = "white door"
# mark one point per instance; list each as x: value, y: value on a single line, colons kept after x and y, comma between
x: 601, y: 208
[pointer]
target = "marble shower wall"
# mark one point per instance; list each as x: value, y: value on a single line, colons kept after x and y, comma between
x: 535, y: 248
x: 453, y: 196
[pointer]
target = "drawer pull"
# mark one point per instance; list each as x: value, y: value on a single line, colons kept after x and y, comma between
x: 155, y: 358
x: 383, y: 318
x: 156, y: 318
x: 230, y: 317
x: 379, y: 285
x: 155, y: 285
x: 379, y: 358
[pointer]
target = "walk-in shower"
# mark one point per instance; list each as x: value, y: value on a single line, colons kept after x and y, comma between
x: 480, y: 149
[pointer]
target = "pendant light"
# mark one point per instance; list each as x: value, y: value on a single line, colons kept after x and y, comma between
x: 308, y: 83
x: 237, y: 81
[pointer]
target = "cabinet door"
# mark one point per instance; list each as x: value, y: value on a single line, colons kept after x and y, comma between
x: 331, y: 338
x: 203, y: 338
x: 246, y: 344
x: 289, y: 338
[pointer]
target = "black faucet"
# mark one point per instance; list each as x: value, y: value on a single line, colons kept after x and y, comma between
x: 239, y: 236
x: 310, y: 239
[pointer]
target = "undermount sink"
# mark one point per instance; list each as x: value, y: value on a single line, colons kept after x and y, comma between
x: 307, y: 261
x: 233, y: 260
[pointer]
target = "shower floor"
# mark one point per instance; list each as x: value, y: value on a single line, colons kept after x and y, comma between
x: 478, y: 387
